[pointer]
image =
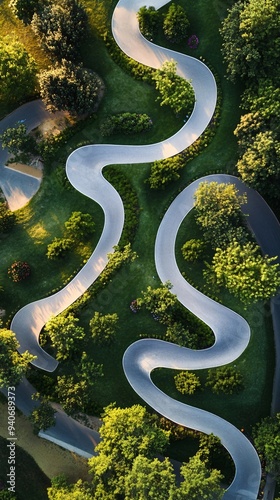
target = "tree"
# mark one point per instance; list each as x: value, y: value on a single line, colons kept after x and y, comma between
x: 19, y: 271
x: 73, y: 394
x: 79, y: 225
x: 199, y: 483
x: 61, y: 27
x: 43, y: 416
x: 19, y: 143
x: 266, y: 436
x: 61, y: 490
x: 187, y: 382
x: 175, y: 91
x: 150, y: 479
x: 103, y: 327
x: 260, y: 164
x: 24, y: 9
x: 65, y: 334
x: 17, y: 71
x: 225, y: 379
x: 7, y: 218
x: 176, y: 23
x: 70, y: 88
x: 193, y: 250
x: 249, y: 35
x: 245, y: 272
x: 218, y: 212
x: 13, y: 366
x: 125, y: 434
x: 159, y: 301
x: 58, y: 248
x: 148, y: 18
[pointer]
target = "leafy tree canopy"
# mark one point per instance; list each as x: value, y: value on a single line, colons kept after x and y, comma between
x: 24, y: 9
x: 13, y: 366
x: 174, y: 90
x: 148, y: 18
x: 19, y: 143
x: 70, y: 88
x: 65, y: 334
x: 267, y: 441
x: 17, y: 71
x: 61, y: 26
x: 245, y: 272
x: 250, y: 35
x: 176, y: 23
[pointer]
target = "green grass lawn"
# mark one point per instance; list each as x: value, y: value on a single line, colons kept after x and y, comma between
x: 44, y: 217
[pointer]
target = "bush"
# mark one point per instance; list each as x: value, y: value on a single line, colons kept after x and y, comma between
x: 193, y: 250
x: 79, y: 225
x: 225, y: 379
x: 176, y: 23
x: 7, y: 218
x: 148, y: 18
x: 126, y: 123
x: 58, y: 248
x: 187, y: 382
x: 19, y: 271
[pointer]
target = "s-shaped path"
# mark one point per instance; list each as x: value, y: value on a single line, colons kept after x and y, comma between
x: 84, y: 170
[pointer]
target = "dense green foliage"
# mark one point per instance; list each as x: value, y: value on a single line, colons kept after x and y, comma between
x: 79, y: 225
x: 174, y: 90
x: 267, y: 441
x: 245, y: 272
x: 103, y: 327
x: 218, y: 212
x: 13, y: 366
x: 187, y: 382
x: 61, y: 27
x: 58, y: 248
x: 126, y: 123
x: 43, y: 416
x: 19, y: 143
x: 251, y: 39
x: 148, y: 18
x: 24, y: 9
x: 193, y: 249
x: 176, y: 23
x: 70, y: 88
x: 17, y: 71
x: 65, y: 334
x: 165, y: 171
x: 226, y: 379
x: 7, y: 218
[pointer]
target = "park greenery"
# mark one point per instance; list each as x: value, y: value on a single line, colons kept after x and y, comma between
x: 79, y: 383
x: 13, y: 365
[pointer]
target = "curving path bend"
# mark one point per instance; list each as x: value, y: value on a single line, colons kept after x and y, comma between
x: 84, y: 170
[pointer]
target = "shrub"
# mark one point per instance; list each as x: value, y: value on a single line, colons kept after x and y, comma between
x: 126, y: 123
x: 19, y: 271
x: 148, y: 18
x: 187, y: 382
x: 225, y: 379
x: 193, y: 250
x: 58, y: 248
x: 7, y: 218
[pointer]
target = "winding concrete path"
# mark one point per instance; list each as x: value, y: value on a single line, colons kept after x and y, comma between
x: 84, y: 169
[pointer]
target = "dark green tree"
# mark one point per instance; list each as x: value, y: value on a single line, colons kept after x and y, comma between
x: 225, y: 379
x: 7, y: 218
x: 174, y: 90
x: 79, y: 225
x: 61, y: 27
x: 58, y: 248
x: 149, y: 20
x: 250, y: 33
x: 159, y: 301
x: 17, y: 71
x: 24, y: 9
x: 43, y: 416
x: 19, y: 143
x: 61, y: 490
x: 70, y: 88
x: 266, y: 436
x: 13, y: 366
x: 176, y: 23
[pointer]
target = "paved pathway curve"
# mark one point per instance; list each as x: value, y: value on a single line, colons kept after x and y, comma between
x: 232, y: 333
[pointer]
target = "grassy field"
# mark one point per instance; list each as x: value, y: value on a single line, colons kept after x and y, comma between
x: 44, y: 217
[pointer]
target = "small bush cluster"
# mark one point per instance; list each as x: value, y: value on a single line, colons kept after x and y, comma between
x: 226, y: 379
x: 19, y: 271
x: 187, y: 382
x: 126, y: 123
